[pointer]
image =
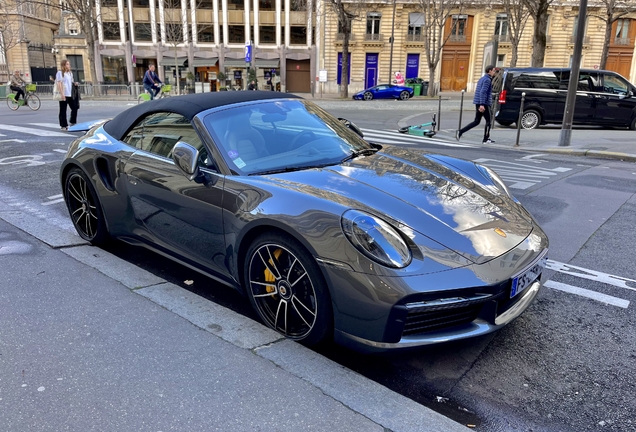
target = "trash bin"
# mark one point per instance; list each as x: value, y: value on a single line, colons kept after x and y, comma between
x: 424, y: 91
x: 3, y: 91
x: 417, y: 89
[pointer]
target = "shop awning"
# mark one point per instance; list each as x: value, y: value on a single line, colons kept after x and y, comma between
x: 198, y: 62
x: 268, y: 63
x: 169, y: 61
x: 235, y: 63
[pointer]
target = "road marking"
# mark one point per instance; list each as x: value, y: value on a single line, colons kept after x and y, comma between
x: 60, y: 151
x: 603, y: 298
x: 534, y: 156
x: 47, y: 125
x: 55, y: 196
x: 520, y: 175
x: 593, y: 275
x: 14, y: 140
x: 54, y: 199
x: 31, y: 131
x: 28, y: 160
x: 391, y: 137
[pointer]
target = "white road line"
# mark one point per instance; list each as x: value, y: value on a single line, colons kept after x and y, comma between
x: 14, y: 140
x: 53, y: 202
x: 397, y: 138
x: 593, y: 275
x: 55, y: 196
x: 47, y: 125
x: 60, y: 151
x: 603, y: 298
x: 31, y: 131
x: 529, y: 157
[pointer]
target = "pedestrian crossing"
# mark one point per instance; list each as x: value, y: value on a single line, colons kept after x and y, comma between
x: 46, y: 133
x: 388, y: 136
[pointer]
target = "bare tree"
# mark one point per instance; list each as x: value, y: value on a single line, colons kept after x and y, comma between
x: 518, y: 15
x: 173, y: 17
x: 610, y: 12
x: 539, y: 12
x: 346, y: 13
x: 10, y: 34
x: 436, y: 13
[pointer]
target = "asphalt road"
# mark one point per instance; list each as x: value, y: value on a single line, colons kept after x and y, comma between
x: 567, y: 364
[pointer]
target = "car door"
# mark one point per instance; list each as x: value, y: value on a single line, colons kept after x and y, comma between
x: 616, y: 104
x: 182, y: 217
x: 586, y: 97
x: 381, y: 92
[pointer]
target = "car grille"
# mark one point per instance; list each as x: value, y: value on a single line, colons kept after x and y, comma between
x: 418, y: 322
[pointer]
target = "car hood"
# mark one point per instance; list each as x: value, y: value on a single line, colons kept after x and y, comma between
x: 465, y: 214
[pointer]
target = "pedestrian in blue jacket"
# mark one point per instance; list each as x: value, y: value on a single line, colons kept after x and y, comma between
x: 482, y: 101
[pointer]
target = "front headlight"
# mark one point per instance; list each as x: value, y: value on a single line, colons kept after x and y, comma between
x: 376, y: 239
x: 491, y: 175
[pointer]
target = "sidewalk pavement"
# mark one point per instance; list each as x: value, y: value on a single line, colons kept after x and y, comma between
x: 91, y: 342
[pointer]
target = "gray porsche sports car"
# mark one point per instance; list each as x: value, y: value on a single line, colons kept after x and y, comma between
x: 328, y: 235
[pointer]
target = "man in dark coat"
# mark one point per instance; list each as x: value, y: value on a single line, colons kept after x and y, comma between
x: 482, y: 101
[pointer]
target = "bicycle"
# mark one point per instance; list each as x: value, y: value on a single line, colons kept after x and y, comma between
x: 30, y: 99
x: 163, y: 93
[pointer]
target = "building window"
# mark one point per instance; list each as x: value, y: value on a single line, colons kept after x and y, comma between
x: 174, y: 33
x: 622, y: 32
x: 73, y: 27
x: 109, y: 3
x: 266, y: 5
x: 373, y: 23
x: 458, y: 27
x: 77, y: 66
x: 501, y: 60
x: 205, y: 33
x: 298, y: 5
x: 236, y: 5
x: 267, y: 34
x: 141, y: 3
x: 143, y: 32
x: 416, y: 22
x: 298, y: 36
x: 205, y: 4
x: 501, y: 27
x: 111, y: 31
x: 236, y: 34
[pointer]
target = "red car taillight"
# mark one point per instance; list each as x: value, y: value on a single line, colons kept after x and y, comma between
x: 502, y: 97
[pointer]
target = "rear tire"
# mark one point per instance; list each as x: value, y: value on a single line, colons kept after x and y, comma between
x: 34, y: 102
x: 530, y: 119
x: 404, y: 95
x: 287, y: 289
x: 504, y: 123
x: 84, y: 208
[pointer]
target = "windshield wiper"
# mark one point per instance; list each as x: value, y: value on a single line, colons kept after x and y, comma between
x: 281, y: 170
x: 363, y: 152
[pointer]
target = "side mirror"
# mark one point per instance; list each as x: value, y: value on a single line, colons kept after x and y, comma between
x: 350, y: 125
x: 186, y: 157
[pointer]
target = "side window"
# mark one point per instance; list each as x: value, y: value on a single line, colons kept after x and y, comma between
x: 615, y: 85
x: 161, y: 131
x: 587, y: 81
x: 540, y: 80
x: 135, y: 136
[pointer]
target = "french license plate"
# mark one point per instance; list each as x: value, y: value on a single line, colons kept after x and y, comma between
x: 526, y: 278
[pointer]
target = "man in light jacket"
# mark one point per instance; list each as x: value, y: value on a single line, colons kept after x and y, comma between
x: 482, y: 101
x: 16, y: 85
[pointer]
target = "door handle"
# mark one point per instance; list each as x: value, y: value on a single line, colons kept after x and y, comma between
x: 133, y: 180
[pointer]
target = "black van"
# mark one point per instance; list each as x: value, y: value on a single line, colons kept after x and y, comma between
x: 603, y: 98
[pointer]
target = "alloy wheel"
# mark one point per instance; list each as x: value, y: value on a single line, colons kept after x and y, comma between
x: 282, y: 291
x: 82, y: 207
x: 368, y: 96
x: 530, y: 120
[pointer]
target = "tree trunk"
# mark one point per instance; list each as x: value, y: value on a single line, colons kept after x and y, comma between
x: 344, y: 75
x: 539, y: 34
x: 514, y: 55
x: 176, y: 71
x: 606, y: 42
x: 431, y: 80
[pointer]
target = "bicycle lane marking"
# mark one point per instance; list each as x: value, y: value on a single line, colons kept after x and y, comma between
x: 31, y: 131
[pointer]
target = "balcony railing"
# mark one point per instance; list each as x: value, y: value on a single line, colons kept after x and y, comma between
x: 503, y: 38
x: 415, y: 37
x: 457, y: 38
x: 586, y: 39
x: 622, y: 41
x: 373, y: 37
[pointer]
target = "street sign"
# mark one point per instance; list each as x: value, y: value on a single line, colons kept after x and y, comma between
x: 248, y: 52
x: 322, y: 75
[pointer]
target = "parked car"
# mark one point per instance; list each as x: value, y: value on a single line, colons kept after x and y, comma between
x: 328, y: 235
x: 604, y: 98
x: 385, y: 91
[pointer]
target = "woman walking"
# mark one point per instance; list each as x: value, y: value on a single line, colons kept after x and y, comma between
x: 64, y: 82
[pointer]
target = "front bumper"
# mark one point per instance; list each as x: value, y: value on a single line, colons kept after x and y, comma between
x: 373, y: 313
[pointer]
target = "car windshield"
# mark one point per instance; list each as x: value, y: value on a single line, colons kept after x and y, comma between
x: 281, y: 135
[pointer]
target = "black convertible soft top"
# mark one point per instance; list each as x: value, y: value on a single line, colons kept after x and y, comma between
x: 187, y: 105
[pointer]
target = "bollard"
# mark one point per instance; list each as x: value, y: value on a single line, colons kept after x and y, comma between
x: 461, y: 110
x: 439, y: 113
x: 523, y: 98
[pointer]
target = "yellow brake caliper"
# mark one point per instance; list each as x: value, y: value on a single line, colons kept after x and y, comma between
x: 269, y: 276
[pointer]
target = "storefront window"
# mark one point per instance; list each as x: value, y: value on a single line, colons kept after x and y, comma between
x: 114, y: 69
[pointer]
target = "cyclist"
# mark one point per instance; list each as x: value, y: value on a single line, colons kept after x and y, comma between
x: 152, y: 80
x: 16, y: 85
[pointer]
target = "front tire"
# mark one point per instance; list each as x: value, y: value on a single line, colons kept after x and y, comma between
x: 84, y: 208
x: 34, y: 102
x: 367, y: 96
x: 404, y: 95
x: 287, y: 289
x: 530, y: 119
